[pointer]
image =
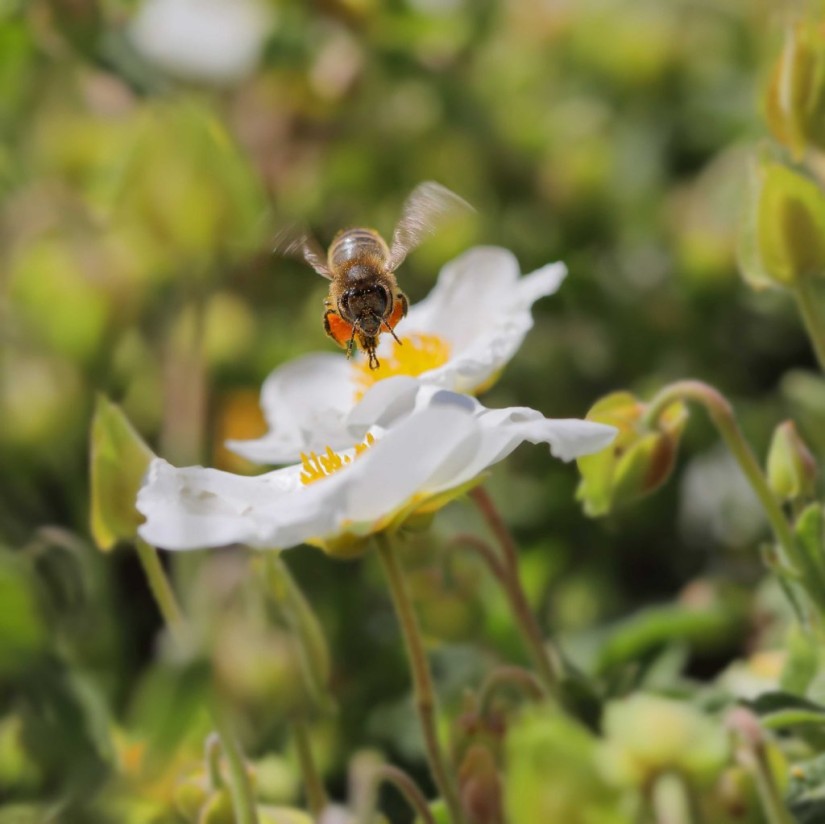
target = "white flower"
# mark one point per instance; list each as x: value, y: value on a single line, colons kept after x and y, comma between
x: 215, y: 41
x: 459, y: 338
x: 423, y: 446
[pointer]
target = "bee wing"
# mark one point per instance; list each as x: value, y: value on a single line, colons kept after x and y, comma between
x: 297, y: 241
x: 427, y: 203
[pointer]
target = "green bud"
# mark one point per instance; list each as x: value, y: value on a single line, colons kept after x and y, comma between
x: 552, y: 775
x: 647, y: 736
x: 638, y: 461
x: 791, y: 466
x: 795, y: 97
x: 480, y: 786
x: 118, y: 461
x: 783, y: 238
x: 191, y: 794
x: 259, y: 670
x: 217, y: 809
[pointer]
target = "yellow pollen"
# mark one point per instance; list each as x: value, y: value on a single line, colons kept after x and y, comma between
x: 417, y: 353
x: 317, y: 466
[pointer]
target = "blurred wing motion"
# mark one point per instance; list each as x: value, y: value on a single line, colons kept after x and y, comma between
x: 428, y: 202
x: 298, y: 242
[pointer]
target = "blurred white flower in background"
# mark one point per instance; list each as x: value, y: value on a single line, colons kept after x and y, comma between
x: 459, y: 337
x: 717, y: 504
x: 211, y: 41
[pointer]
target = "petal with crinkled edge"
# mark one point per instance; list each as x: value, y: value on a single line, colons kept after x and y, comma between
x: 430, y: 441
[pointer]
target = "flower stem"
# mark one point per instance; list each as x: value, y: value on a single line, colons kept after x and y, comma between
x: 316, y: 795
x: 548, y: 665
x: 159, y: 585
x: 525, y: 681
x: 722, y: 415
x: 408, y: 788
x: 772, y: 805
x: 423, y: 689
x: 810, y: 307
x: 243, y: 800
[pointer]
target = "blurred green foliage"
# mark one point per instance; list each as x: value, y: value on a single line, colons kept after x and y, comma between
x: 138, y: 208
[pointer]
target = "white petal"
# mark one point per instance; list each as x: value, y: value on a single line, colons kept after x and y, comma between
x: 304, y: 402
x: 425, y: 451
x: 483, y: 308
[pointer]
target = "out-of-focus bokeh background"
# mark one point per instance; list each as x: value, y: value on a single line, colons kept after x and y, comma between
x: 149, y: 153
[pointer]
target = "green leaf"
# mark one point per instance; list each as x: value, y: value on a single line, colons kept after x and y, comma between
x: 118, y: 462
x: 655, y: 627
x: 802, y: 663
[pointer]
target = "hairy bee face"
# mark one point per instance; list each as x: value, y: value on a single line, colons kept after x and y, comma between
x: 367, y: 306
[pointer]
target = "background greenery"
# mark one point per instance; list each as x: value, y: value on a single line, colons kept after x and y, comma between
x: 137, y: 215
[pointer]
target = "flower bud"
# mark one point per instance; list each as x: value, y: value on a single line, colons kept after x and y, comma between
x: 647, y: 736
x: 119, y: 460
x: 783, y: 238
x: 259, y: 670
x: 480, y: 786
x: 638, y: 461
x: 791, y: 466
x: 795, y: 97
x: 552, y: 774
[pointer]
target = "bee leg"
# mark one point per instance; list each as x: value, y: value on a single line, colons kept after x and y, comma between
x: 351, y: 342
x: 339, y: 330
x: 404, y: 304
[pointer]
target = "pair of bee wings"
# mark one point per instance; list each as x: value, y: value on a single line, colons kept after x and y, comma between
x: 425, y: 206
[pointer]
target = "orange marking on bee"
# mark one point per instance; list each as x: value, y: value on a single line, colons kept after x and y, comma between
x: 338, y: 329
x: 399, y: 309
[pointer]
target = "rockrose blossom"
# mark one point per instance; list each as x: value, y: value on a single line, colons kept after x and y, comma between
x: 418, y: 447
x: 458, y: 338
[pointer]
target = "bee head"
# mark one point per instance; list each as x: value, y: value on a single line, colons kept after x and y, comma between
x: 366, y: 307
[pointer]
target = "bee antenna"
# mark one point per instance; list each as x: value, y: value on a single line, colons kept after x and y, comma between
x: 390, y: 330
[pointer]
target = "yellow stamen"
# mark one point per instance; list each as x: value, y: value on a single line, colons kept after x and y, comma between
x: 317, y: 466
x: 417, y: 353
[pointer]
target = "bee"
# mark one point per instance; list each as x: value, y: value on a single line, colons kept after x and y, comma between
x: 364, y: 299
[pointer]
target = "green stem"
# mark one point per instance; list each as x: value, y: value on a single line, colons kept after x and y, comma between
x: 316, y: 795
x: 754, y: 759
x: 547, y: 664
x: 423, y: 689
x: 722, y: 415
x: 811, y: 310
x: 408, y: 788
x: 243, y: 800
x: 525, y: 681
x: 159, y: 585
x: 793, y: 559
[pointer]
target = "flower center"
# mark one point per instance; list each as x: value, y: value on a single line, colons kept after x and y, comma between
x: 417, y: 353
x: 315, y: 466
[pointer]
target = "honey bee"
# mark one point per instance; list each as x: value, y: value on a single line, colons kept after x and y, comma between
x: 364, y: 299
